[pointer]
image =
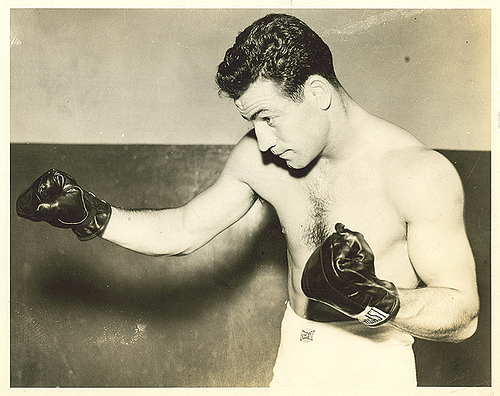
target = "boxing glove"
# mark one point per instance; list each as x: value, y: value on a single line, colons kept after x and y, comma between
x: 55, y: 197
x: 341, y: 274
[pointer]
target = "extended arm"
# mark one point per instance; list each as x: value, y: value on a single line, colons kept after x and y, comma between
x: 182, y: 230
x: 57, y: 198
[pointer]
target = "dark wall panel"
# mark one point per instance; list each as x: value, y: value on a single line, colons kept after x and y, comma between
x: 93, y: 314
x: 467, y: 363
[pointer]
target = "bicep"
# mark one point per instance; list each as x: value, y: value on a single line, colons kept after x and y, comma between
x: 215, y: 209
x: 440, y: 254
x: 227, y: 200
x: 438, y: 247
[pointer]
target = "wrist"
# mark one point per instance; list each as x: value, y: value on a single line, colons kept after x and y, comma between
x: 373, y: 316
x: 99, y: 213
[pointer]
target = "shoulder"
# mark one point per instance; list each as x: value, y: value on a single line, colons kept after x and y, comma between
x: 421, y: 182
x: 417, y: 162
x: 245, y: 158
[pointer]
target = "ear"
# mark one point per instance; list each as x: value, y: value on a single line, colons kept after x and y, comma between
x: 320, y: 91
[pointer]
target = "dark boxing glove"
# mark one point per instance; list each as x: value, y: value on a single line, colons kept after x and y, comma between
x: 341, y: 274
x: 55, y: 197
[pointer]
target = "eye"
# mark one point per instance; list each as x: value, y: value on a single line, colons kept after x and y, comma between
x: 269, y: 120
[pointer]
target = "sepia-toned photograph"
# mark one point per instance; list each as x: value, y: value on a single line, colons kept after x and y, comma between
x: 285, y: 198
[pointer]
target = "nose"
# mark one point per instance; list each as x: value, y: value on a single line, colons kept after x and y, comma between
x: 265, y: 136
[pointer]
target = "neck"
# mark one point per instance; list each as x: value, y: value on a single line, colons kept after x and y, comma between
x: 347, y: 123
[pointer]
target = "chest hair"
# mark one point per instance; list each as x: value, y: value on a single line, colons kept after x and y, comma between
x: 318, y: 226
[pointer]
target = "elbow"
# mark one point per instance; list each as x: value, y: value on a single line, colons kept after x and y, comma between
x: 460, y: 327
x: 473, y: 316
x: 181, y: 244
x: 161, y: 252
x: 471, y: 325
x: 468, y: 327
x: 454, y: 335
x: 155, y: 254
x: 466, y: 332
x: 164, y: 250
x: 171, y: 250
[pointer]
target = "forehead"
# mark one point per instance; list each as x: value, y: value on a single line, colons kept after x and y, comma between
x: 261, y: 94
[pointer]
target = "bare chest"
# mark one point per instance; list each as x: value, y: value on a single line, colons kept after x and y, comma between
x: 309, y: 208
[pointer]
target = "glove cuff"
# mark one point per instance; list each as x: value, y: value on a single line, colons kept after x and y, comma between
x: 384, y: 310
x: 99, y: 213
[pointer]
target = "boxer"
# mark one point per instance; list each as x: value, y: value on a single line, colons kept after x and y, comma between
x: 321, y: 161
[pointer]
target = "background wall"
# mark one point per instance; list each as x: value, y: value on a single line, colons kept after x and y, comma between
x: 147, y: 76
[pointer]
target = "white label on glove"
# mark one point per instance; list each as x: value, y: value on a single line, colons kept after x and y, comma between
x: 372, y: 316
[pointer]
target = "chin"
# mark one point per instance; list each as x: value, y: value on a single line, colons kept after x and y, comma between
x: 301, y: 169
x: 297, y: 165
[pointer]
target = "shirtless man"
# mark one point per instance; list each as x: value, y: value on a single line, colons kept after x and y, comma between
x: 319, y: 159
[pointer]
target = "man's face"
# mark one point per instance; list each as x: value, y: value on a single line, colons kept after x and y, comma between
x: 296, y: 132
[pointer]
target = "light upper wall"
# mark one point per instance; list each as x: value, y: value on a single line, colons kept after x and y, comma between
x: 139, y: 76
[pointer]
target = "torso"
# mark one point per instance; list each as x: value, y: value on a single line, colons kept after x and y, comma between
x: 353, y: 193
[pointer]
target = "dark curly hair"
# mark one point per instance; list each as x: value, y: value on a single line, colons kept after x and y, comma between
x: 280, y: 48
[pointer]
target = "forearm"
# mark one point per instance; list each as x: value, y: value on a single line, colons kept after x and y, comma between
x: 152, y: 232
x: 437, y: 313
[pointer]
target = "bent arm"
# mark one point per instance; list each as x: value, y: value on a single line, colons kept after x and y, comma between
x: 446, y: 309
x: 451, y: 319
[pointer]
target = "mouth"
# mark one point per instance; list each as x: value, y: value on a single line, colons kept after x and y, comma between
x: 281, y: 155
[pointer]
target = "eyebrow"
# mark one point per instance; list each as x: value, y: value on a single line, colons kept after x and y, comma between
x: 254, y: 115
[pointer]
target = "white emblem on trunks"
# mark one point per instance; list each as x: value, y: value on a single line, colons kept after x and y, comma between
x: 307, y: 335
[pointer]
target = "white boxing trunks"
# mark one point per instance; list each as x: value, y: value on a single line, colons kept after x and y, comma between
x: 344, y: 356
